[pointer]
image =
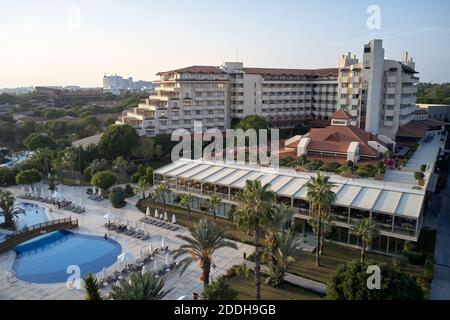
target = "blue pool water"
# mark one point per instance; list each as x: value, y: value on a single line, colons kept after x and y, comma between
x: 45, y: 259
x: 34, y: 214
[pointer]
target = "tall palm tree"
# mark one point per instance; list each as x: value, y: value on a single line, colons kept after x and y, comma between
x: 326, y: 227
x: 254, y: 212
x: 8, y: 209
x: 281, y: 220
x: 161, y: 191
x: 321, y: 196
x: 42, y: 158
x: 213, y: 203
x: 365, y: 230
x: 92, y: 287
x: 205, y: 238
x: 185, y: 201
x: 69, y: 161
x: 140, y: 287
x: 287, y: 244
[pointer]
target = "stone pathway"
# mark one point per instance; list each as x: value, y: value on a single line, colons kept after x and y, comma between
x: 92, y: 222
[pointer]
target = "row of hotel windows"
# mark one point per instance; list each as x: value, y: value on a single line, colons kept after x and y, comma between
x: 346, y: 73
x: 169, y: 131
x: 188, y: 103
x: 191, y: 121
x: 346, y: 85
x: 176, y: 113
x: 298, y: 86
x: 297, y: 101
x: 300, y: 93
x: 209, y: 94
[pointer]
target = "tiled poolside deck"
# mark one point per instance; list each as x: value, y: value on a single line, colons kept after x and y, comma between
x: 92, y: 222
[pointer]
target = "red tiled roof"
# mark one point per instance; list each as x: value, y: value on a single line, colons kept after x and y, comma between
x: 198, y: 69
x: 339, y: 138
x: 292, y: 72
x: 418, y: 128
x: 341, y: 115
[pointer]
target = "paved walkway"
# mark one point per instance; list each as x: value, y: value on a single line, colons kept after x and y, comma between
x: 440, y: 286
x: 92, y: 222
x: 296, y: 280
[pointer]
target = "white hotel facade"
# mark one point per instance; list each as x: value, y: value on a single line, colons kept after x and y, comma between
x: 379, y: 94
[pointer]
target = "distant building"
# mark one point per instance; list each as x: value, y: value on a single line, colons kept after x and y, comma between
x: 436, y: 111
x: 339, y: 142
x: 420, y: 114
x: 117, y: 85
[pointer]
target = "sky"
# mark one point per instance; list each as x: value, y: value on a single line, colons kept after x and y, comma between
x: 59, y: 42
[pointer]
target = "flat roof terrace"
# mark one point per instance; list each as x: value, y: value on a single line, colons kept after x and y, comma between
x: 387, y: 197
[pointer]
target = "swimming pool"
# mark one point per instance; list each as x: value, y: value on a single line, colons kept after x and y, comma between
x: 46, y: 259
x: 34, y: 214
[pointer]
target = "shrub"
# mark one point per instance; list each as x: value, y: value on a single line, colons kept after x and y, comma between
x: 411, y: 247
x: 129, y: 192
x: 117, y: 197
x: 415, y: 258
x: 418, y: 175
x: 104, y: 180
x: 423, y: 168
x: 87, y: 174
x: 7, y: 177
x: 349, y: 282
x: 131, y: 168
x: 329, y: 167
x: 220, y: 290
x: 30, y: 177
x: 362, y: 172
x: 135, y: 177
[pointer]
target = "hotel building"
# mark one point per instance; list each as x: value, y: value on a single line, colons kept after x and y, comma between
x: 378, y: 93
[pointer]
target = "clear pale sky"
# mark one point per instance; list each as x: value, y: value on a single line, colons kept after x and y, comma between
x: 42, y: 42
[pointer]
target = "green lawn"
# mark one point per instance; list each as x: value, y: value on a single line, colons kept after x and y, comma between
x: 246, y: 288
x: 305, y: 263
x: 333, y: 256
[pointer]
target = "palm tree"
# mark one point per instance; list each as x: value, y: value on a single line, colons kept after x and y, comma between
x: 287, y: 244
x: 120, y: 166
x: 185, y: 201
x: 205, y: 238
x: 43, y: 158
x: 326, y: 227
x: 143, y: 185
x: 213, y: 203
x: 69, y: 158
x: 365, y: 230
x: 161, y: 191
x: 254, y: 212
x: 321, y: 196
x: 281, y: 218
x: 8, y: 208
x: 92, y: 287
x: 140, y: 287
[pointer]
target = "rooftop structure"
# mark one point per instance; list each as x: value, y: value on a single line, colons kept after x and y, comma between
x: 338, y: 142
x: 396, y: 208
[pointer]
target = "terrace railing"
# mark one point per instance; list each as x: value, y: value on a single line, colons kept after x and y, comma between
x: 36, y: 230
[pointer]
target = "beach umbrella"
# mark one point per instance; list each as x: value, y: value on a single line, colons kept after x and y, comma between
x: 117, y: 283
x: 141, y: 254
x: 104, y: 275
x: 150, y: 251
x: 147, y: 213
x: 154, y: 267
x: 156, y: 214
x: 144, y: 270
x: 174, y: 219
x: 135, y: 224
x: 143, y: 226
x: 127, y: 222
x: 119, y: 267
x: 161, y: 216
x: 22, y: 188
x: 165, y: 216
x: 126, y: 257
x: 109, y: 216
x: 162, y: 242
x: 49, y: 193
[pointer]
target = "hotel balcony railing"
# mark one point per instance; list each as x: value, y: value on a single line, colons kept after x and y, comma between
x: 406, y: 231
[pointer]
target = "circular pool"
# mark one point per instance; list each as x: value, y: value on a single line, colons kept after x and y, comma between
x: 53, y: 257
